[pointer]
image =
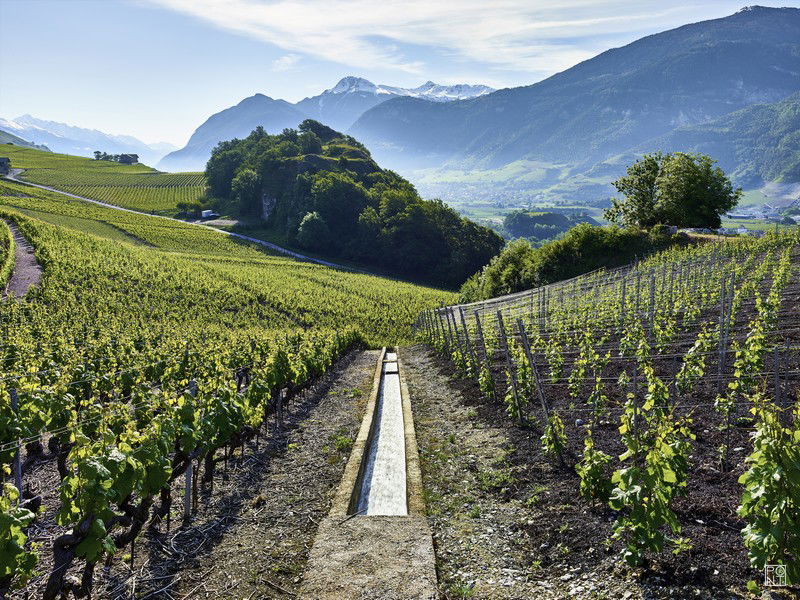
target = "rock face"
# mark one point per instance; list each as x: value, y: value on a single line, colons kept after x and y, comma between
x: 267, y: 206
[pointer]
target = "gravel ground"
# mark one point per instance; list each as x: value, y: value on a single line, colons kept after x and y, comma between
x: 27, y: 271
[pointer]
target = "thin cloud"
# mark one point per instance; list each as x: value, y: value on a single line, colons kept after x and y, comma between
x: 518, y: 35
x: 286, y: 62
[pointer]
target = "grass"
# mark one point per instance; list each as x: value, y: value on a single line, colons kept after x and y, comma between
x: 520, y: 171
x: 495, y: 479
x: 755, y: 224
x: 535, y: 495
x: 754, y: 198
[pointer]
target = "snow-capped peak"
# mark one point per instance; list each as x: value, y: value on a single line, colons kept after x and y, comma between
x: 353, y: 84
x: 428, y: 90
x: 445, y: 93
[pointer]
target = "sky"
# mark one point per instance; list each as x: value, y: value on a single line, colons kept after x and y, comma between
x: 156, y: 69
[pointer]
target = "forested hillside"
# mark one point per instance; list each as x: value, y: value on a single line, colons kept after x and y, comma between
x: 561, y: 137
x: 324, y: 192
x: 757, y: 144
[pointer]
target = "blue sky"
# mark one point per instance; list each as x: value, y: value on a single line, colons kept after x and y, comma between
x: 156, y: 69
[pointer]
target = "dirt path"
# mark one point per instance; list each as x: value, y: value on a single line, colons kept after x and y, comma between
x: 27, y: 271
x: 480, y: 548
x: 15, y: 173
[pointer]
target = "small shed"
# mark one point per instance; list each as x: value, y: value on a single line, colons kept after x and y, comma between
x: 5, y: 165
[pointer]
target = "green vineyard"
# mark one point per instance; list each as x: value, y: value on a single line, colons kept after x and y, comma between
x: 150, y: 348
x: 137, y: 187
x: 668, y: 387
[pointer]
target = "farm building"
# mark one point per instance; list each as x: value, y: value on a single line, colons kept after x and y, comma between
x: 128, y: 159
x: 5, y: 165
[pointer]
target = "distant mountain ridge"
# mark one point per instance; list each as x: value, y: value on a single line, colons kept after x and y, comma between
x: 338, y: 107
x: 602, y: 107
x: 606, y: 104
x: 755, y: 145
x: 10, y: 138
x: 79, y: 141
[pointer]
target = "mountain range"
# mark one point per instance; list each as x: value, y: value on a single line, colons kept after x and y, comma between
x: 755, y: 145
x: 621, y: 101
x: 68, y: 139
x: 727, y: 87
x: 568, y: 136
x: 338, y: 107
x: 9, y: 138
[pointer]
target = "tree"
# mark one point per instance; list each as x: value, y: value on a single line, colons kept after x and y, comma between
x: 97, y: 154
x: 510, y: 271
x: 313, y: 232
x: 368, y: 232
x: 339, y: 200
x: 220, y: 169
x: 323, y: 132
x: 310, y: 143
x: 246, y: 190
x: 640, y: 191
x: 693, y: 192
x: 680, y: 189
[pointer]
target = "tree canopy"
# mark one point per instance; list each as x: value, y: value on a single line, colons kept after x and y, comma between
x: 582, y: 249
x: 324, y: 192
x: 681, y: 189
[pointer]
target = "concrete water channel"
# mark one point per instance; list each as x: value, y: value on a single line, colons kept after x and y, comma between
x: 383, y: 484
x: 376, y: 542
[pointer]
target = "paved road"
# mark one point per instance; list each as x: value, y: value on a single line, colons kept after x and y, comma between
x: 14, y: 174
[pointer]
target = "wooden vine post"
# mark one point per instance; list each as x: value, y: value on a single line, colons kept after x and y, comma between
x: 487, y: 360
x: 189, y: 475
x: 470, y: 348
x: 529, y: 355
x: 439, y: 329
x: 482, y: 340
x: 501, y: 329
x: 457, y: 340
x: 17, y: 457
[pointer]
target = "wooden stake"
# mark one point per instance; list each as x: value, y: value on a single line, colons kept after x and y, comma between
x: 468, y: 342
x: 509, y: 361
x: 529, y: 355
x: 17, y: 454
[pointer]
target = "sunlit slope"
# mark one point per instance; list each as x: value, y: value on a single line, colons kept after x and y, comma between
x: 103, y: 263
x: 131, y: 186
